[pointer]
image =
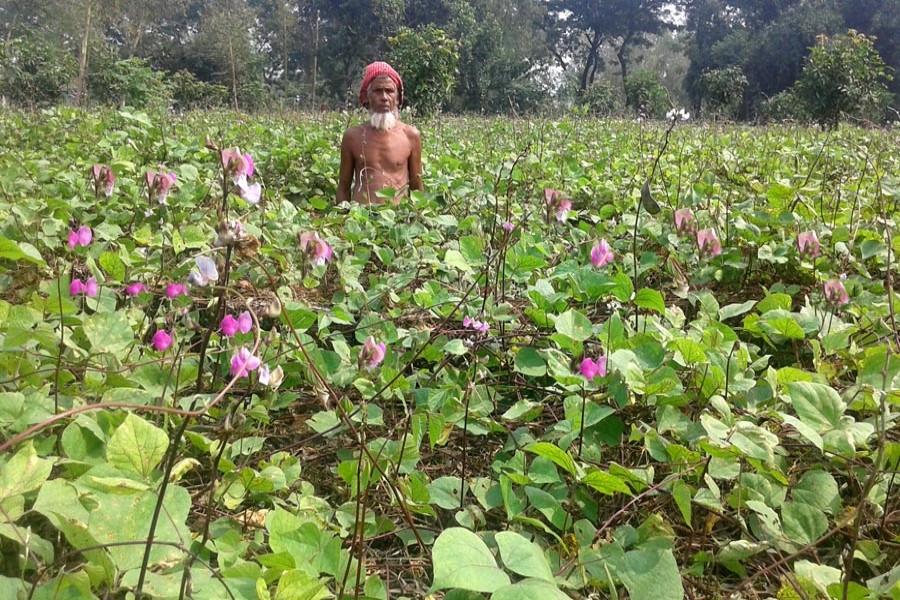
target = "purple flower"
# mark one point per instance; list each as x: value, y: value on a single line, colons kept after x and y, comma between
x: 205, y: 273
x: 684, y: 221
x: 470, y: 323
x: 508, y: 227
x: 162, y: 340
x: 372, y: 353
x: 76, y: 287
x: 317, y: 249
x: 80, y: 237
x: 562, y: 209
x: 808, y: 244
x: 601, y: 254
x: 590, y: 369
x: 243, y: 362
x: 175, y: 289
x: 133, y: 289
x: 231, y: 326
x: 835, y: 293
x: 708, y: 243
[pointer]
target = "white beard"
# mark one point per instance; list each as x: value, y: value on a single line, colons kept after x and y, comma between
x: 383, y: 121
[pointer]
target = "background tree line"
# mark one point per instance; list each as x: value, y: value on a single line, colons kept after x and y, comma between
x: 738, y: 59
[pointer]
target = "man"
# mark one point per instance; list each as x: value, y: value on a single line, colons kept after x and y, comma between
x: 383, y: 153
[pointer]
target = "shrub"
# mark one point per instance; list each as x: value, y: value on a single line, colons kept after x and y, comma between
x: 427, y: 57
x: 129, y: 82
x: 601, y: 99
x: 785, y: 106
x: 33, y: 72
x: 645, y: 94
x: 844, y: 75
x: 189, y: 93
x: 722, y: 89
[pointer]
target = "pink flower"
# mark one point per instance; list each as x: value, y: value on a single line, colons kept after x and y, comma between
x: 162, y: 340
x: 590, y: 369
x: 159, y: 184
x: 470, y: 323
x: 231, y: 326
x: 237, y: 164
x: 88, y: 288
x: 104, y: 180
x: 601, y: 254
x: 808, y: 244
x: 133, y: 289
x: 318, y: 250
x: 708, y: 243
x: 249, y: 193
x: 76, y: 287
x: 835, y: 293
x: 684, y: 221
x: 80, y: 237
x: 174, y: 290
x: 372, y: 353
x: 508, y: 227
x: 557, y: 204
x: 562, y: 210
x: 243, y: 362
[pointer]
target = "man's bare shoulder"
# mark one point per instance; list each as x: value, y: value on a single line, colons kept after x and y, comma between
x: 411, y: 132
x: 353, y: 133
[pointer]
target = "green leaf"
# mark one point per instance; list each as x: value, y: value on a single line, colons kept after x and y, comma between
x: 24, y: 472
x: 817, y: 405
x: 574, y: 325
x: 523, y: 557
x: 455, y: 347
x: 529, y: 589
x: 299, y: 585
x: 605, y: 483
x: 819, y: 489
x: 774, y: 302
x: 530, y: 362
x: 136, y: 446
x: 554, y: 453
x: 462, y: 560
x: 802, y: 523
x: 454, y: 258
x: 108, y: 332
x: 113, y: 266
x: 651, y: 300
x: 22, y: 251
x: 681, y: 492
x: 651, y: 574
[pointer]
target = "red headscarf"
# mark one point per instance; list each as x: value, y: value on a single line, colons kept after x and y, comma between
x: 377, y: 69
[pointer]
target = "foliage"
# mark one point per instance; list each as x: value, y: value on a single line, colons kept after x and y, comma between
x: 844, y: 76
x: 190, y: 93
x: 646, y: 95
x: 784, y: 106
x: 422, y: 391
x: 427, y: 59
x: 129, y: 82
x: 722, y: 89
x: 34, y: 72
x: 602, y: 99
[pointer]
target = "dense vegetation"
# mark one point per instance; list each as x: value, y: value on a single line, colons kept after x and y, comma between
x: 594, y: 358
x: 737, y: 59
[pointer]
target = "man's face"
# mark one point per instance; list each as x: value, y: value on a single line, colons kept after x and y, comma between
x: 383, y: 95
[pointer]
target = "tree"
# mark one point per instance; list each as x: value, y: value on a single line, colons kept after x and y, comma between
x: 427, y: 58
x: 586, y: 24
x: 844, y: 75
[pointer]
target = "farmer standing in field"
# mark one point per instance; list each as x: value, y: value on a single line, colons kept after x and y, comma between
x: 383, y: 153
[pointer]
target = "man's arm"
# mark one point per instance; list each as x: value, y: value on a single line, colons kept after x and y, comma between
x: 415, y: 160
x: 345, y: 177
